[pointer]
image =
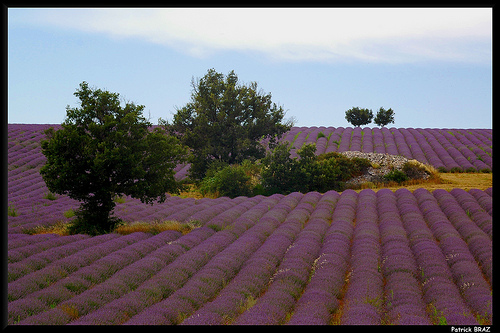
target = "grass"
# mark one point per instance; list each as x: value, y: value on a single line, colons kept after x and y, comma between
x: 449, y: 181
x: 446, y: 181
x: 12, y: 211
x: 437, y: 316
x: 153, y: 227
x: 60, y: 228
x: 468, y: 180
x: 50, y: 196
x: 191, y: 191
x: 69, y: 213
x: 156, y: 227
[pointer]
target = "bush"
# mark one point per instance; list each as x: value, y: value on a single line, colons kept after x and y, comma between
x: 12, y: 211
x: 396, y: 176
x: 348, y: 167
x: 414, y: 169
x: 360, y: 165
x: 69, y: 213
x: 279, y: 171
x: 230, y: 181
x: 50, y: 196
x: 282, y: 174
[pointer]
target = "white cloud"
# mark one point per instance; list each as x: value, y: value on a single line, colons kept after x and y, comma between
x: 312, y: 34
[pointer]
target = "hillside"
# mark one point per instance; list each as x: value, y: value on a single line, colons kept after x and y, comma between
x: 390, y: 256
x: 29, y: 196
x: 444, y: 149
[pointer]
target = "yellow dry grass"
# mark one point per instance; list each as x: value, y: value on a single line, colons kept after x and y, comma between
x: 447, y: 181
x: 156, y: 227
x: 468, y: 181
x: 153, y: 227
x: 59, y: 228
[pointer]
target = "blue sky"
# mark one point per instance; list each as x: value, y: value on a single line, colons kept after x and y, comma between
x: 432, y: 66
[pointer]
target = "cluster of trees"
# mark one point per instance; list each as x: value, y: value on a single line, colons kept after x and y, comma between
x: 104, y: 150
x: 357, y: 116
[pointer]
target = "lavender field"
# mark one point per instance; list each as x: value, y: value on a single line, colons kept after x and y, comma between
x: 444, y: 149
x: 385, y: 257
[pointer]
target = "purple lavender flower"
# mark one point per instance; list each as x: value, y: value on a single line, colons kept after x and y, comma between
x: 22, y: 309
x: 204, y: 318
x: 56, y: 316
x: 361, y: 315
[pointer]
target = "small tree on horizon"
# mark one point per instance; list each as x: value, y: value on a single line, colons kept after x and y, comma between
x: 384, y: 117
x: 358, y: 117
x: 104, y: 150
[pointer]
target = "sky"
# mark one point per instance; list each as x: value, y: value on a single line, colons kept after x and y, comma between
x: 432, y: 66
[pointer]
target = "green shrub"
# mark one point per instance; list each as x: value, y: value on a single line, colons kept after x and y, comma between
x: 279, y: 171
x: 12, y: 211
x: 360, y: 165
x: 69, y: 213
x: 119, y: 199
x: 50, y: 196
x: 214, y: 167
x: 348, y: 167
x: 230, y: 181
x: 414, y: 169
x: 396, y: 176
x: 283, y: 174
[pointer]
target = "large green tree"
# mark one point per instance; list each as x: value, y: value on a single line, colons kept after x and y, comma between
x: 103, y: 150
x: 225, y: 121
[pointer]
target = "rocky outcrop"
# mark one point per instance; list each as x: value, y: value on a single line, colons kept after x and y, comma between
x: 382, y: 164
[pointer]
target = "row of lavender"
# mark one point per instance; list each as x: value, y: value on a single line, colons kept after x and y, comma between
x: 445, y: 149
x: 335, y: 258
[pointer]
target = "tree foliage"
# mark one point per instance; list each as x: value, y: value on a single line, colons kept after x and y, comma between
x: 104, y: 150
x: 309, y: 172
x: 358, y: 117
x: 225, y: 121
x: 384, y: 117
x: 279, y: 170
x: 229, y: 181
